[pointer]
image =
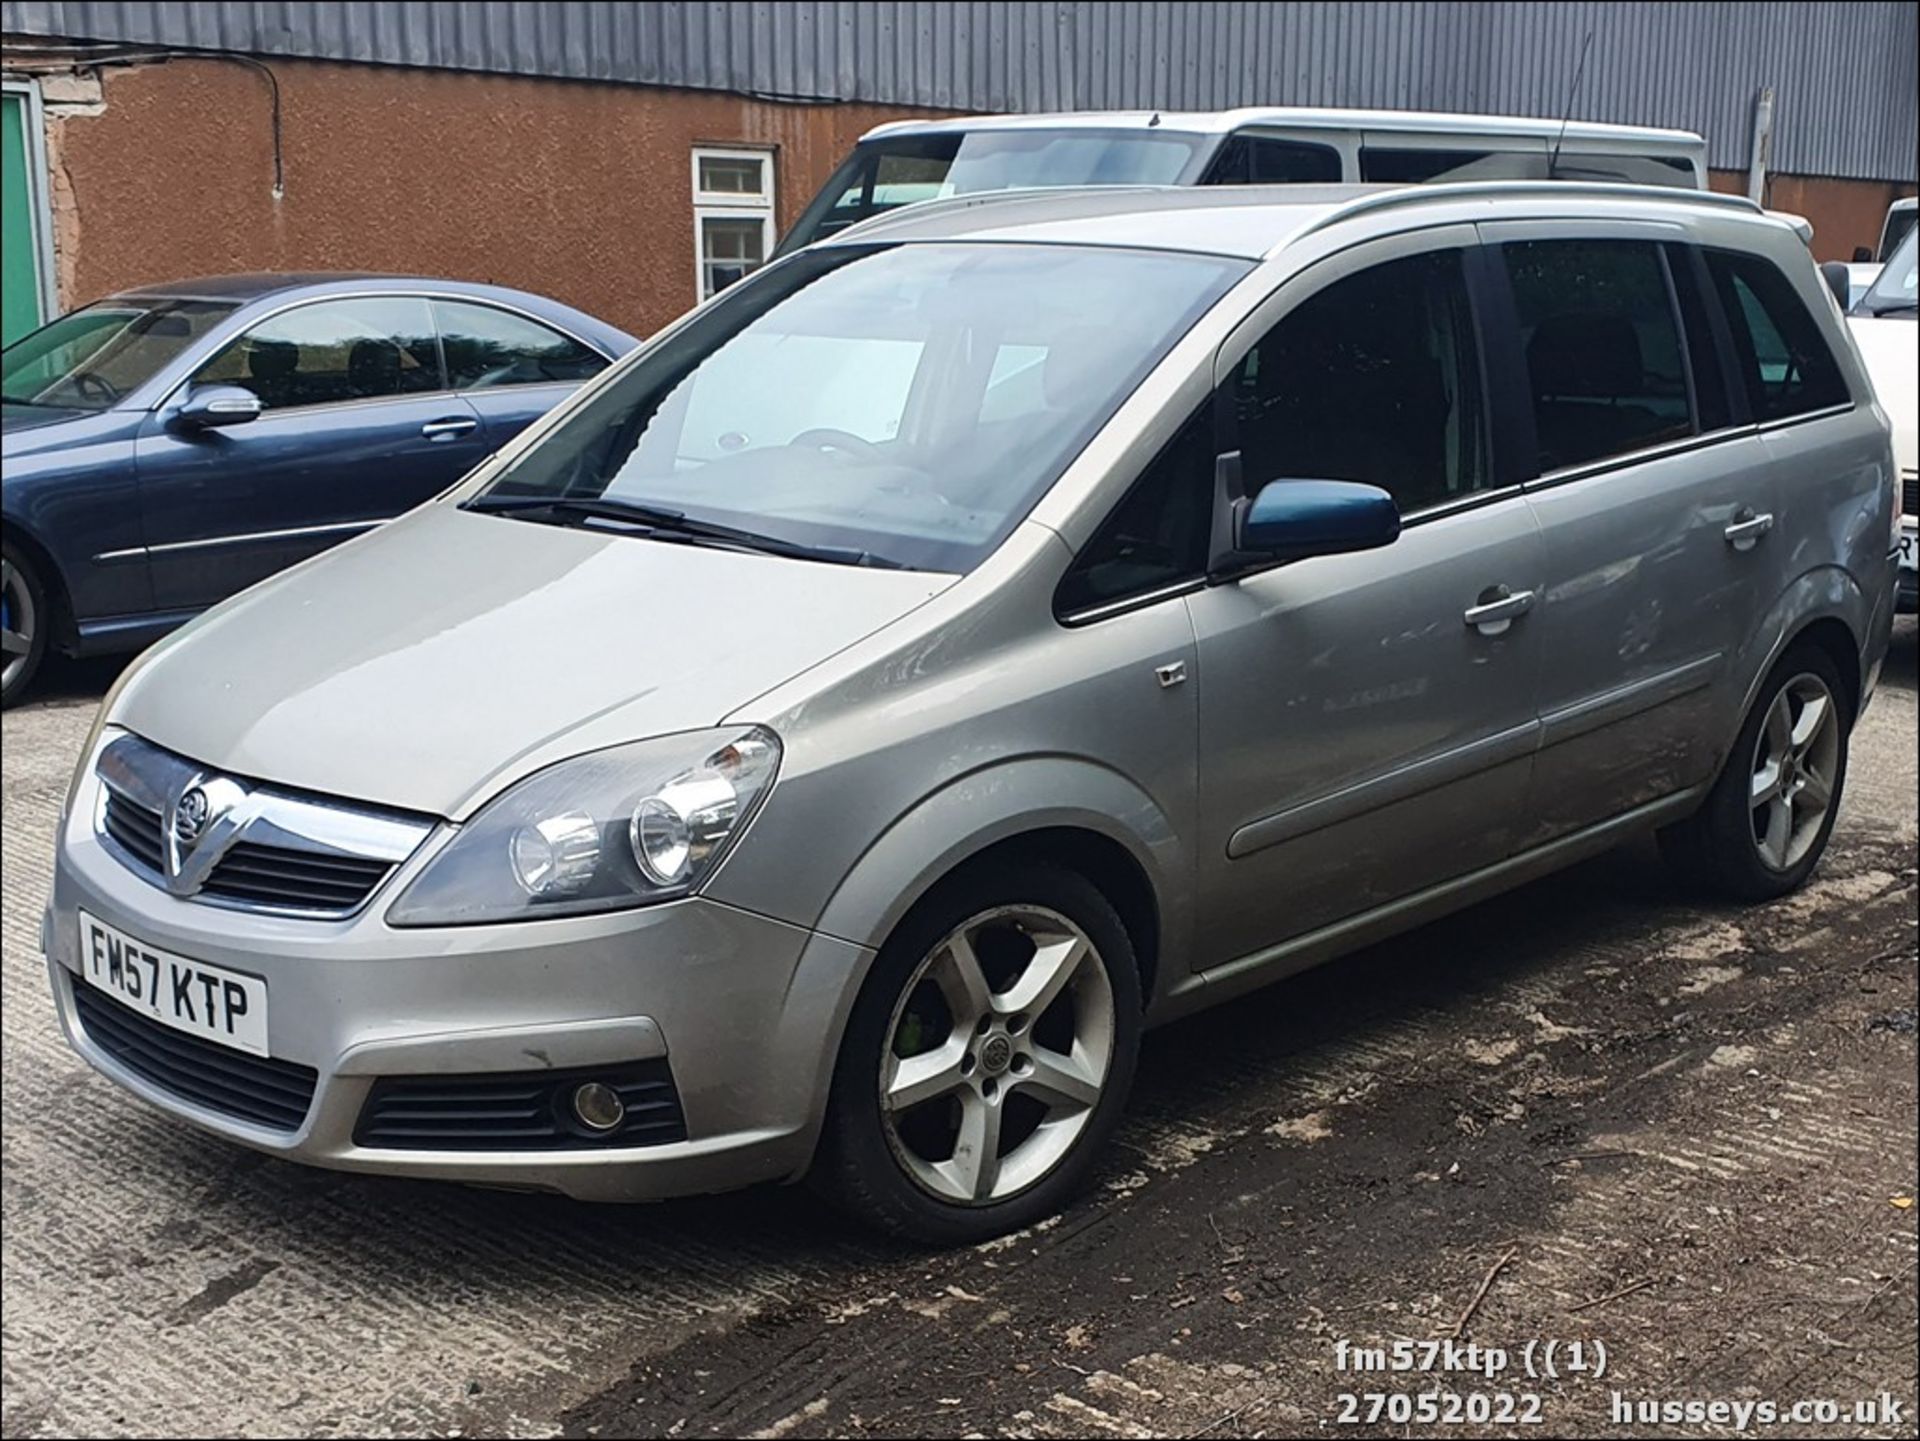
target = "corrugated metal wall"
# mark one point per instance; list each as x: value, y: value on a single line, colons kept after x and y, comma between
x: 1844, y: 75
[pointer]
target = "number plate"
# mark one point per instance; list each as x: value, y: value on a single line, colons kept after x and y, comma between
x: 1909, y: 550
x: 210, y: 1002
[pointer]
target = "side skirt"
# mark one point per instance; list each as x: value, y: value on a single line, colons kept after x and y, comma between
x: 1207, y: 988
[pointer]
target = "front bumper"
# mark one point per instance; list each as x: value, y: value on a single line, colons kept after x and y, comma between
x: 746, y: 1010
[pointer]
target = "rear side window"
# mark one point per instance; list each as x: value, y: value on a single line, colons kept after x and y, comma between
x: 488, y: 347
x: 1604, y: 362
x: 1158, y: 535
x: 1263, y: 160
x: 1379, y: 163
x: 1783, y: 360
x: 1374, y: 379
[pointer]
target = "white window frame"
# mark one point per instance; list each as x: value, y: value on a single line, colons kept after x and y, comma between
x: 717, y: 205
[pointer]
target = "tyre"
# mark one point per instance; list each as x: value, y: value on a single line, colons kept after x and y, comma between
x: 1766, y: 822
x: 987, y: 1058
x: 23, y: 623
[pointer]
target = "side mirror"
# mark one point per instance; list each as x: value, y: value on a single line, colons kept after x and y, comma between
x: 1293, y: 519
x: 1862, y: 255
x: 1839, y: 282
x: 208, y: 407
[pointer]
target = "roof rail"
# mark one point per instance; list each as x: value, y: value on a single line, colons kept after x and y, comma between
x: 940, y: 205
x: 1497, y: 189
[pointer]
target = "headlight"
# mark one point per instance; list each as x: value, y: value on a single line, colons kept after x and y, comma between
x: 601, y: 832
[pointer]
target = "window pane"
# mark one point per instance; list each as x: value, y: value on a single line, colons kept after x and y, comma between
x: 840, y: 399
x: 729, y: 249
x: 1415, y: 166
x: 1602, y: 348
x: 1374, y: 379
x: 1258, y: 160
x: 333, y: 351
x: 487, y: 347
x: 1784, y: 362
x: 724, y: 175
x: 92, y: 357
x: 1158, y: 535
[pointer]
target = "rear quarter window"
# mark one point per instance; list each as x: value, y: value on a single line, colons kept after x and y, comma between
x: 1782, y: 358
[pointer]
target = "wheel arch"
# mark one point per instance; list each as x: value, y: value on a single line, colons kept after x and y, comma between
x: 1067, y: 811
x: 1825, y: 607
x: 53, y: 580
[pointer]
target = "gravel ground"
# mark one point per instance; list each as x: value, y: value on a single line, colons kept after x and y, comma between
x: 1590, y: 1111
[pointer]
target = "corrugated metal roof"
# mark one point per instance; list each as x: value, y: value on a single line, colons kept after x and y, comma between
x: 1844, y: 75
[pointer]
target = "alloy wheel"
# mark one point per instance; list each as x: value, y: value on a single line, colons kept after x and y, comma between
x: 998, y: 1052
x: 1796, y: 759
x: 18, y: 619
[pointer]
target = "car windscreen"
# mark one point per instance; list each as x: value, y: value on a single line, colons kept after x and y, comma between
x: 1893, y: 290
x: 904, y: 403
x: 885, y: 174
x: 91, y: 358
x: 1899, y: 223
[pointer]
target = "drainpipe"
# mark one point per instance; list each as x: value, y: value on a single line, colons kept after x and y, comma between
x: 1760, y: 155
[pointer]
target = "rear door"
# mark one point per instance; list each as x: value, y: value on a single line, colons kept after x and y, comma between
x: 511, y: 368
x: 1654, y: 498
x: 358, y: 426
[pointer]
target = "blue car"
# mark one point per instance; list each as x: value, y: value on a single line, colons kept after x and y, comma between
x: 169, y: 446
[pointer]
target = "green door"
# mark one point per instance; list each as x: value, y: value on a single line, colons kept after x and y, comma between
x: 21, y: 283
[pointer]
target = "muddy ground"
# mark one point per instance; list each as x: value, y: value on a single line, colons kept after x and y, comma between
x: 1592, y: 1111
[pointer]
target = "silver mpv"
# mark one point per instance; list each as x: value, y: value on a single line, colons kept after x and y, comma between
x: 822, y: 746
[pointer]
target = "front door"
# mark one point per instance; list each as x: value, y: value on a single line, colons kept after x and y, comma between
x: 358, y: 426
x: 1366, y: 721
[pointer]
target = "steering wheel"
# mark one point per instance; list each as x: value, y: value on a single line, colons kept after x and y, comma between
x: 95, y: 387
x: 825, y: 437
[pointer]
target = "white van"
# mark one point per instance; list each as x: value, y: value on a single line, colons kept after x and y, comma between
x: 909, y: 160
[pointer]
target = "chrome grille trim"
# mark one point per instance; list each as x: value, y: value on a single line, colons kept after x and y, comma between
x: 266, y: 850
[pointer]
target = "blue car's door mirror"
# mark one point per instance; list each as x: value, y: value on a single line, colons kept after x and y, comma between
x: 208, y: 407
x: 1292, y: 519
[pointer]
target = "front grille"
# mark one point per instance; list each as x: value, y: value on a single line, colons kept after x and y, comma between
x: 259, y: 875
x: 299, y: 880
x: 515, y: 1111
x: 1910, y: 492
x: 270, y: 1093
x: 135, y: 827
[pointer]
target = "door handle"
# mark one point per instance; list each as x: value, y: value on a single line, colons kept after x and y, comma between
x: 1747, y: 528
x: 449, y: 428
x: 1498, y: 608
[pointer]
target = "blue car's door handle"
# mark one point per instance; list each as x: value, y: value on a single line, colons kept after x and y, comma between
x: 449, y: 427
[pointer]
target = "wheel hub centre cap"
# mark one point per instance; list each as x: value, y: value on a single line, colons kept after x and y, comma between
x: 996, y: 1054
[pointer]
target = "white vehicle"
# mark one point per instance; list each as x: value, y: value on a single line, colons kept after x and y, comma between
x: 911, y: 160
x: 1900, y: 218
x: 1883, y: 326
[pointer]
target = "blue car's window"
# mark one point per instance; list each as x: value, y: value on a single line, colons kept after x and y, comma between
x: 90, y: 359
x: 332, y: 351
x: 486, y: 347
x: 903, y: 403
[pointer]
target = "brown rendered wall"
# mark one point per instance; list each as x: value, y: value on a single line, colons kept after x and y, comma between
x: 1844, y: 213
x: 578, y: 191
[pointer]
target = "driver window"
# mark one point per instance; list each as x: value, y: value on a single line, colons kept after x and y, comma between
x: 1374, y: 379
x: 333, y: 351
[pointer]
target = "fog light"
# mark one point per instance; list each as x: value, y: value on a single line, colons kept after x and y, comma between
x: 598, y: 1106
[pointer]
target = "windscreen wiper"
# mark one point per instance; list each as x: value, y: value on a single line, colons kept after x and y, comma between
x: 668, y: 524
